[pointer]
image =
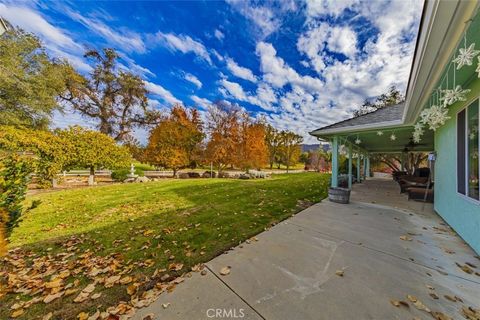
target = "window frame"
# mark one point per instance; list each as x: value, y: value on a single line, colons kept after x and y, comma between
x: 465, y: 108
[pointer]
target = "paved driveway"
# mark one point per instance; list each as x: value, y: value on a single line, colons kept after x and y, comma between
x: 290, y: 272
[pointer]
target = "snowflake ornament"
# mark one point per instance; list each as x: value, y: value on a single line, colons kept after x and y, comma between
x: 418, y: 132
x: 379, y: 133
x: 393, y: 137
x: 450, y: 96
x: 478, y: 67
x: 466, y: 56
x: 434, y: 117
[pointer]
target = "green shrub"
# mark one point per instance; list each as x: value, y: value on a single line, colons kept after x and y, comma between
x: 120, y: 175
x: 14, y: 174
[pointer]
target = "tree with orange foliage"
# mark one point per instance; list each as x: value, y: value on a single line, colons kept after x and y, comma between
x: 252, y: 151
x: 174, y: 142
x: 235, y: 139
x: 223, y: 125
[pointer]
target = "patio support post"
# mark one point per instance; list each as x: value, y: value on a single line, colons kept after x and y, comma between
x: 350, y: 153
x: 335, y: 162
x: 359, y: 178
x: 364, y: 167
x: 367, y: 168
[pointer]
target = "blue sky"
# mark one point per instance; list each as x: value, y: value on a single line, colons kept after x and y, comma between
x: 300, y: 64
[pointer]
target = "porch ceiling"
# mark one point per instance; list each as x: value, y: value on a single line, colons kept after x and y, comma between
x: 373, y: 143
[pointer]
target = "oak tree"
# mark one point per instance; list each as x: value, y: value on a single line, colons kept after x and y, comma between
x: 115, y: 98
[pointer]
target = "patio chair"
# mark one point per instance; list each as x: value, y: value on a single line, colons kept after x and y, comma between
x: 418, y: 194
x: 397, y: 174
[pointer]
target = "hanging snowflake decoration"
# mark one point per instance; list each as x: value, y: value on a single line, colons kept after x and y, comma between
x: 478, y: 67
x: 393, y: 137
x: 473, y: 133
x: 379, y: 133
x: 418, y: 132
x: 450, y: 96
x: 466, y: 56
x: 434, y: 117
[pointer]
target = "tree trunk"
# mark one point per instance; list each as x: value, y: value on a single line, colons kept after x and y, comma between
x: 91, y: 177
x: 174, y: 172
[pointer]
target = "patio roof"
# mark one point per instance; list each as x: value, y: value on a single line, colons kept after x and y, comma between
x: 378, y: 118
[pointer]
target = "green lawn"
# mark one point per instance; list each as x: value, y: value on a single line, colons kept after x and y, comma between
x: 133, y: 230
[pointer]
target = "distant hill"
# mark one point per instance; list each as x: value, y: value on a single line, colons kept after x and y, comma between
x: 310, y: 147
x: 314, y: 147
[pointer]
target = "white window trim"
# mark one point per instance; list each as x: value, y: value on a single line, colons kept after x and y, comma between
x: 467, y: 104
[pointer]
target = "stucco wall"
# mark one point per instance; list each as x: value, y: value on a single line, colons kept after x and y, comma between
x: 460, y: 213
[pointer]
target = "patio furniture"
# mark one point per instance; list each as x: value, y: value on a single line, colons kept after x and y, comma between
x: 420, y: 194
x: 406, y: 182
x: 397, y: 174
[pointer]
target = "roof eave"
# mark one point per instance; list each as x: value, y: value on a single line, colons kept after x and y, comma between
x: 364, y: 127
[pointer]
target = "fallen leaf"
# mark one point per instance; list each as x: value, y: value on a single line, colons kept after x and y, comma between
x: 17, y: 313
x: 471, y: 313
x: 225, y: 271
x: 165, y: 305
x: 82, y: 316
x: 440, y: 316
x: 149, y: 316
x: 406, y: 238
x: 54, y: 284
x: 83, y: 296
x: 433, y: 295
x: 52, y: 297
x: 131, y: 289
x: 398, y: 303
x: 339, y: 273
x: 48, y: 316
x: 126, y: 280
x: 464, y: 268
x: 96, y: 296
x: 90, y: 288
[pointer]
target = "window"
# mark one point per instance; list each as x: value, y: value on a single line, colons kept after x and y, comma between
x: 468, y: 166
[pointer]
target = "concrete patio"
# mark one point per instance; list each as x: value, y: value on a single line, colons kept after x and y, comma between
x: 290, y: 272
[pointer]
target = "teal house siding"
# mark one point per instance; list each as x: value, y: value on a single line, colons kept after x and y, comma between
x: 458, y: 211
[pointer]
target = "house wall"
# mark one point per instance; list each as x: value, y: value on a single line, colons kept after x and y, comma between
x: 459, y: 212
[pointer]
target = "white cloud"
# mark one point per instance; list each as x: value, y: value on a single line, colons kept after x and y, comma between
x: 219, y: 34
x: 232, y: 89
x: 125, y: 40
x: 201, y: 102
x: 160, y: 91
x: 343, y: 40
x: 184, y: 44
x: 266, y: 18
x: 328, y: 7
x: 278, y: 73
x: 191, y: 78
x: 241, y: 72
x: 136, y: 68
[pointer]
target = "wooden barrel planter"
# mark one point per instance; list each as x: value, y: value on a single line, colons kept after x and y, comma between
x: 339, y: 195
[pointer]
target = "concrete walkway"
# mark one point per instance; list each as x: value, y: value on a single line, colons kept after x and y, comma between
x: 290, y: 272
